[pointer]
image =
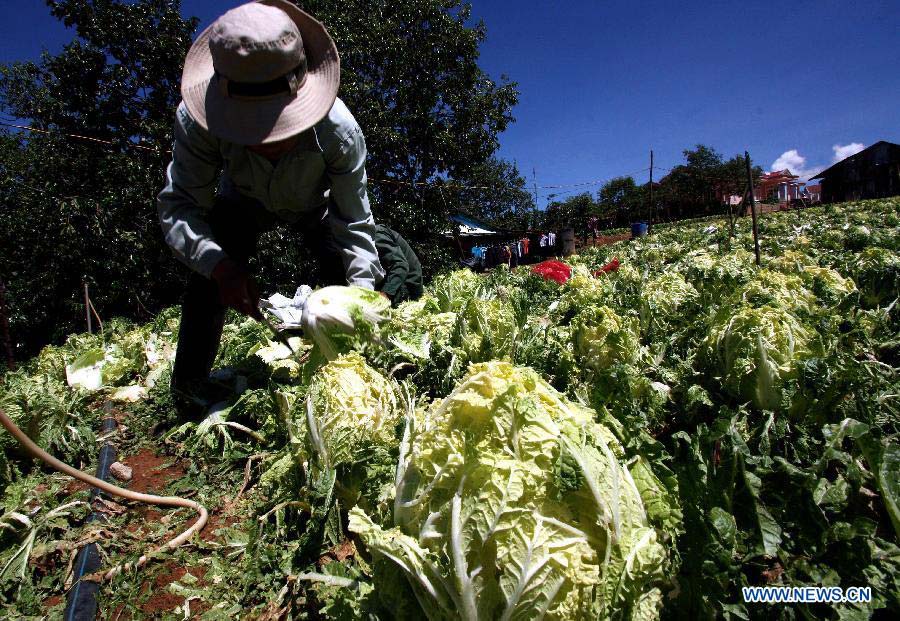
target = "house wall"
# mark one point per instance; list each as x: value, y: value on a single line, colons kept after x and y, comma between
x: 784, y: 191
x: 874, y: 173
x: 863, y: 182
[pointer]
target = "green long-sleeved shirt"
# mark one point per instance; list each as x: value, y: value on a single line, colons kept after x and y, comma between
x: 402, y: 269
x: 330, y: 159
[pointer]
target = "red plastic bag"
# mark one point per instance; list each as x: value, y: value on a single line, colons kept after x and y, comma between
x: 612, y: 266
x: 554, y: 270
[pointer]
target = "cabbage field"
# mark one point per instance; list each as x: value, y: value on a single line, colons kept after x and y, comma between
x: 638, y: 435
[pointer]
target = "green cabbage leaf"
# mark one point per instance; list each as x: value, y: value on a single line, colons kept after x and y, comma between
x: 512, y: 503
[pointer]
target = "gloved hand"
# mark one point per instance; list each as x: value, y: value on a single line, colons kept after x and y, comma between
x: 237, y: 289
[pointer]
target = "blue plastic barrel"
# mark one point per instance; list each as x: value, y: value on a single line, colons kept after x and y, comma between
x: 638, y: 229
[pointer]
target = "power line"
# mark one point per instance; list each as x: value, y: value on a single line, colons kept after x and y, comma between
x: 597, y: 182
x: 80, y: 137
x: 441, y: 186
x: 59, y: 197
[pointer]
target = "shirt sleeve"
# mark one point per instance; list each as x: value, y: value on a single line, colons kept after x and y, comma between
x: 349, y: 215
x: 394, y: 263
x: 191, y: 180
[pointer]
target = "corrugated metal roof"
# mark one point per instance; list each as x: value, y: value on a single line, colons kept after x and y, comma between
x: 469, y: 222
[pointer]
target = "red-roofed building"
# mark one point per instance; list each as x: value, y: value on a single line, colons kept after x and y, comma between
x: 781, y: 185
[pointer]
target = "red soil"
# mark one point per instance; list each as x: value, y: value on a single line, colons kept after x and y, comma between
x: 151, y: 472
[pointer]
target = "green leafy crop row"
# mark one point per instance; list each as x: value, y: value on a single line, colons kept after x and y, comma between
x: 632, y: 444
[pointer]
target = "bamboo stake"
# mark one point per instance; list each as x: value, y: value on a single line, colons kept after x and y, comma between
x: 87, y: 309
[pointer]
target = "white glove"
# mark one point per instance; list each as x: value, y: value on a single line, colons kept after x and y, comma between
x: 288, y: 311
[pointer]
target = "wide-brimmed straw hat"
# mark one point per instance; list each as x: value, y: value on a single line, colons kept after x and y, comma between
x: 262, y: 72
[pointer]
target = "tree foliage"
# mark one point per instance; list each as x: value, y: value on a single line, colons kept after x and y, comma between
x: 494, y: 192
x: 620, y: 201
x: 573, y: 212
x: 79, y: 210
x: 700, y: 186
x: 410, y: 75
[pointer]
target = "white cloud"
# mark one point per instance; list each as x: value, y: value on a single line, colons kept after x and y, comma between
x: 846, y: 150
x: 789, y: 159
x: 796, y: 163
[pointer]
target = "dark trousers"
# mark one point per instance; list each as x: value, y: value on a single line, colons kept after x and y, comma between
x: 237, y: 225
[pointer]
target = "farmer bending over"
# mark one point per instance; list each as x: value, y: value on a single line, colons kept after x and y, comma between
x: 260, y: 138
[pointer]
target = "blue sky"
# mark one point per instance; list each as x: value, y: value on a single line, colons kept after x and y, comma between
x: 795, y: 83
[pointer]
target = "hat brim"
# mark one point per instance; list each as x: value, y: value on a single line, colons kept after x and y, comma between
x: 260, y: 121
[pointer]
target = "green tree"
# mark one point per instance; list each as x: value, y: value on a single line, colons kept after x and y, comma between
x: 620, y: 201
x: 77, y: 210
x: 495, y: 192
x: 410, y: 75
x: 700, y: 186
x: 733, y: 176
x: 573, y: 212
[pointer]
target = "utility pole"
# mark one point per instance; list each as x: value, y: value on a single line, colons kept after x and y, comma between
x: 650, y: 218
x: 752, y: 206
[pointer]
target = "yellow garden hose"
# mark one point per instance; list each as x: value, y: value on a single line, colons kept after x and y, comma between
x: 165, y: 501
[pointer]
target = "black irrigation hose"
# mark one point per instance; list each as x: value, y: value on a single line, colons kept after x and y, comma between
x: 165, y: 501
x: 82, y: 601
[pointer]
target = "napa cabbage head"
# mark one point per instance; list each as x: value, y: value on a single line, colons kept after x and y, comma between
x: 485, y: 330
x: 665, y: 299
x: 350, y: 406
x: 657, y: 252
x: 827, y: 284
x: 582, y: 290
x: 753, y: 351
x: 240, y: 341
x: 450, y: 292
x: 333, y: 316
x: 773, y: 288
x: 714, y: 275
x: 352, y: 415
x: 790, y: 262
x: 513, y: 503
x: 857, y: 237
x: 877, y: 274
x: 416, y: 327
x: 602, y: 338
x: 57, y: 418
x: 112, y: 365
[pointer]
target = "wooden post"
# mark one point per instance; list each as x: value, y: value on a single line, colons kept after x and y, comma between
x: 87, y: 309
x: 650, y: 218
x: 4, y: 328
x: 752, y: 206
x: 730, y: 218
